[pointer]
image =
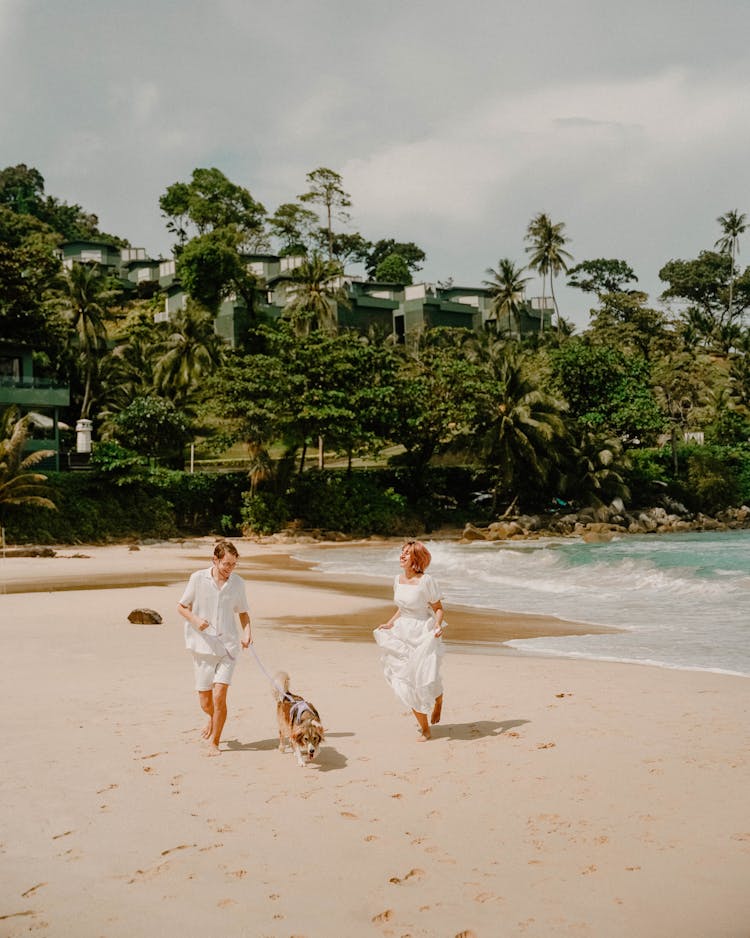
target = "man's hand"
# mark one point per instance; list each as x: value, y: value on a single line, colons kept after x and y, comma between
x: 205, y: 624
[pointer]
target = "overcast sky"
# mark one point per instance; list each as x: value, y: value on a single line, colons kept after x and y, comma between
x: 452, y: 122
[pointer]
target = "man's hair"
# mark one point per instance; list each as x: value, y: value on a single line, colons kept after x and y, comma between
x: 224, y: 547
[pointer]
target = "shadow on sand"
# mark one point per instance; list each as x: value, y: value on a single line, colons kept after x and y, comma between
x: 478, y: 729
x: 327, y: 760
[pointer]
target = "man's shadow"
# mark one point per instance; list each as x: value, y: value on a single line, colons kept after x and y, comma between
x: 477, y: 729
x: 328, y: 758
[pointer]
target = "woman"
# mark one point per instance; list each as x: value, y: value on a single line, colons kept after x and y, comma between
x: 410, y: 641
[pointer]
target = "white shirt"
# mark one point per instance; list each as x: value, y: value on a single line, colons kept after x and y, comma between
x: 218, y: 605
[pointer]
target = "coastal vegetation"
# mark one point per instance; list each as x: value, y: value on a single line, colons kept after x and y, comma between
x: 309, y: 424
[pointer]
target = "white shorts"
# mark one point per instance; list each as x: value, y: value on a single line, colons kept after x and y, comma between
x: 210, y: 670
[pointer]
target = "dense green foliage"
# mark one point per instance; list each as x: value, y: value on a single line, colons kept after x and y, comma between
x: 525, y: 420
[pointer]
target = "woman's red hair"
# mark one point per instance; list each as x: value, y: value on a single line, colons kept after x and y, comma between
x: 420, y: 556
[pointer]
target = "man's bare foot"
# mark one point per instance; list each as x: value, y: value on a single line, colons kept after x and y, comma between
x: 206, y: 734
x: 214, y: 750
x: 424, y: 737
x: 437, y: 710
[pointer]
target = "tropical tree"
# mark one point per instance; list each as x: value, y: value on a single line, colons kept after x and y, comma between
x: 211, y: 267
x: 595, y: 474
x: 209, y: 202
x: 393, y: 269
x: 434, y: 397
x: 733, y: 224
x: 190, y: 353
x: 18, y: 484
x: 508, y: 290
x: 624, y: 321
x: 520, y: 428
x: 26, y: 272
x: 325, y: 188
x: 413, y: 256
x: 351, y: 246
x: 128, y: 370
x: 601, y: 276
x: 86, y: 296
x: 293, y: 225
x: 548, y: 254
x: 314, y: 290
x: 152, y: 426
x: 703, y: 283
x: 608, y: 391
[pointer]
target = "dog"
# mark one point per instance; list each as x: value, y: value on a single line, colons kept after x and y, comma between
x: 299, y: 722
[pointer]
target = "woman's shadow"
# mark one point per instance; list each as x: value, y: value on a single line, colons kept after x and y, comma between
x: 477, y: 729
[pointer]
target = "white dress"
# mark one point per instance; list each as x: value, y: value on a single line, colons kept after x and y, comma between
x: 410, y: 652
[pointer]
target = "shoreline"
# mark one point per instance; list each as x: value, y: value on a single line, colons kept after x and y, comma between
x: 557, y: 797
x: 467, y: 624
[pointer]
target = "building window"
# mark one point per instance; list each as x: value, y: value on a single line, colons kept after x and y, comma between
x: 10, y: 370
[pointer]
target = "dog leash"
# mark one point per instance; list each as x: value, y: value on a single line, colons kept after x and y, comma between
x: 273, y: 683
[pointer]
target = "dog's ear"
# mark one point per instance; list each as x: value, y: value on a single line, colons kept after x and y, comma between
x: 319, y: 727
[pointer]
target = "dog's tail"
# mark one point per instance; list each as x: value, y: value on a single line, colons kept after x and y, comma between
x: 280, y: 685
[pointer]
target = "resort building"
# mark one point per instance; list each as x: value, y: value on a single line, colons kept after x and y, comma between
x: 391, y: 308
x: 42, y: 398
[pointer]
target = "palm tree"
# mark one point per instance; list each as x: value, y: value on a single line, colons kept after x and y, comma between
x: 314, y: 292
x: 548, y: 255
x: 191, y: 352
x: 507, y: 289
x: 596, y: 474
x: 733, y: 224
x: 86, y: 294
x: 19, y: 486
x: 521, y: 429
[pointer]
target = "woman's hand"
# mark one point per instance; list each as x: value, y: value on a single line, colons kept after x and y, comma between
x: 203, y: 625
x: 386, y: 625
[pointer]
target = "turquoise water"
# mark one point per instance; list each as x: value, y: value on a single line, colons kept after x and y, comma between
x: 682, y: 600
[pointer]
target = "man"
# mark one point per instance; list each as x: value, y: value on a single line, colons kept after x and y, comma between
x: 209, y: 604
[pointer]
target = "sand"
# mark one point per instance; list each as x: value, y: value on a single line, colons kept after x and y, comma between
x: 557, y: 798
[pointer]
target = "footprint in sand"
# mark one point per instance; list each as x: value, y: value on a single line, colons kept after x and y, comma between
x: 412, y: 874
x: 546, y: 745
x: 64, y: 834
x: 174, y: 849
x: 348, y: 814
x: 31, y: 891
x: 487, y: 897
x: 384, y: 916
x: 466, y: 934
x: 107, y: 788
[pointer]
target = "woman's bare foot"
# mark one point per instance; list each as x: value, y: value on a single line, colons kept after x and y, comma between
x: 437, y: 710
x: 206, y: 734
x: 214, y: 750
x: 424, y: 737
x: 424, y: 726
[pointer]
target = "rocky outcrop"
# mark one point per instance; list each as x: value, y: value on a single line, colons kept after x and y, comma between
x: 608, y: 521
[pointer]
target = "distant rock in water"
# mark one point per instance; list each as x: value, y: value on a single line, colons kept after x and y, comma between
x: 145, y: 617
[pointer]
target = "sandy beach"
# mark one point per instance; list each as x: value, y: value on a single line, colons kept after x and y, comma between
x: 558, y: 797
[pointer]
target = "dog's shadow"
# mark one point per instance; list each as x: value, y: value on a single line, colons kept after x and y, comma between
x: 477, y: 729
x: 327, y: 760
